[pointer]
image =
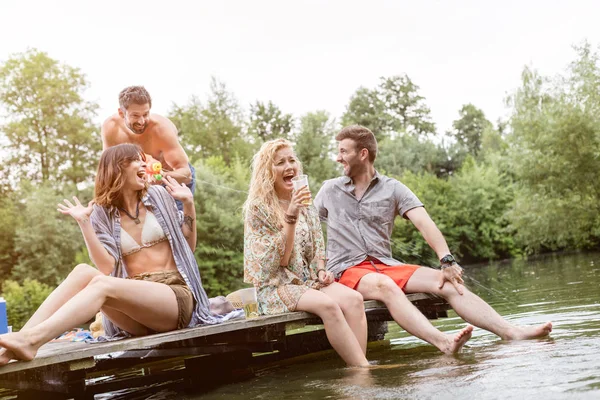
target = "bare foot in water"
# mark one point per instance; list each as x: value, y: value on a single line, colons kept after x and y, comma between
x: 373, y: 365
x: 359, y: 377
x: 530, y: 332
x: 456, y: 343
x: 18, y: 346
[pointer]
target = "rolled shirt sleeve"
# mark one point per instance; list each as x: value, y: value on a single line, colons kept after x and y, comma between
x: 406, y: 200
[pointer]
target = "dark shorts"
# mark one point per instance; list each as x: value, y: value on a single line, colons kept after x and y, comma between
x: 400, y: 274
x: 183, y: 294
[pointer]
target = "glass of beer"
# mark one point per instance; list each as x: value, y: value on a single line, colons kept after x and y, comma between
x: 250, y: 302
x: 301, y: 181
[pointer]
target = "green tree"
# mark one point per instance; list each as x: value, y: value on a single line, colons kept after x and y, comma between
x: 483, y: 197
x: 314, y: 145
x: 470, y: 127
x: 46, y: 241
x: 405, y: 107
x: 219, y: 251
x: 470, y: 210
x: 190, y: 121
x: 267, y: 122
x: 49, y: 129
x: 6, y: 185
x: 212, y: 128
x: 366, y: 108
x: 9, y: 220
x: 493, y: 142
x: 393, y: 108
x: 555, y: 154
x: 410, y: 153
x: 438, y: 196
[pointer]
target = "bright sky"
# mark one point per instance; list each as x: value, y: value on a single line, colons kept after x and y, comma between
x: 303, y: 55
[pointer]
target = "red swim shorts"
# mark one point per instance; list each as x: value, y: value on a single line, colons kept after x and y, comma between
x: 399, y: 273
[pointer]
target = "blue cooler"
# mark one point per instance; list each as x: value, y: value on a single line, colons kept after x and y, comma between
x: 3, y: 319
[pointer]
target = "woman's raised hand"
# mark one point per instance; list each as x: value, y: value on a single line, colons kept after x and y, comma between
x: 300, y: 199
x: 179, y: 191
x: 77, y: 210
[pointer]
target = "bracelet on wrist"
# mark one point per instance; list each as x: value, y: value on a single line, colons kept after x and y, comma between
x: 290, y: 219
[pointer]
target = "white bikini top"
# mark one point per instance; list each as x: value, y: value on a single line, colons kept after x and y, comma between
x: 152, y: 234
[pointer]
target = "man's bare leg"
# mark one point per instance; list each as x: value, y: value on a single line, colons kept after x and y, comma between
x: 375, y: 286
x: 472, y: 308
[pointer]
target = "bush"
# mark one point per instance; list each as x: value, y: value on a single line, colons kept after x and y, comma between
x: 23, y: 300
x: 47, y: 242
x: 469, y: 208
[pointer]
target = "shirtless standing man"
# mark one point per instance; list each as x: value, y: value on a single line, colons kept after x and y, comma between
x: 155, y: 134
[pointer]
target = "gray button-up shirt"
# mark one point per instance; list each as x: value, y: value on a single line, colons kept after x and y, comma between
x: 357, y: 229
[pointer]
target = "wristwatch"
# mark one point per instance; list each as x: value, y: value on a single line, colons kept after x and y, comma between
x: 447, y: 261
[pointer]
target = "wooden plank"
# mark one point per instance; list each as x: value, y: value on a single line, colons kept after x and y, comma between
x: 57, y: 353
x: 143, y: 355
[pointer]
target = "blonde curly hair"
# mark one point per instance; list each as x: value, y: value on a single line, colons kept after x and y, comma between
x: 261, y: 195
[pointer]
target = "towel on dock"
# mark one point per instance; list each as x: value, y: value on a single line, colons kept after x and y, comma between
x: 76, y: 335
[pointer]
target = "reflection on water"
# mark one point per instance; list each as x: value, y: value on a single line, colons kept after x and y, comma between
x: 562, y: 289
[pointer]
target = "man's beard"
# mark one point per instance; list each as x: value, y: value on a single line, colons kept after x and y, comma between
x: 346, y: 170
x: 138, y: 131
x: 352, y: 170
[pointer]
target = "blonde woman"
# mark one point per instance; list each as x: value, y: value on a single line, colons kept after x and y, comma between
x: 284, y: 254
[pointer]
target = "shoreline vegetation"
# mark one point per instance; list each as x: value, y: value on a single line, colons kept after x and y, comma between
x: 510, y: 188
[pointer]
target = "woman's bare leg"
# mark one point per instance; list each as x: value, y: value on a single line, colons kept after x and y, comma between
x: 77, y: 279
x: 151, y: 304
x: 338, y: 332
x: 125, y: 322
x: 352, y: 305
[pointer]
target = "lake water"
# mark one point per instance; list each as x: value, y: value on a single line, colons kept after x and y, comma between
x: 564, y: 289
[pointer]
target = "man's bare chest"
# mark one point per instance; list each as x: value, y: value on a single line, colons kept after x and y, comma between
x: 147, y: 141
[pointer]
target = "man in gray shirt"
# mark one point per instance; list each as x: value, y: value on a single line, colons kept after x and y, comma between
x: 359, y: 209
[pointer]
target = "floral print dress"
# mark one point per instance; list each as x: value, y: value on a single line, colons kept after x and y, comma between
x: 279, y: 288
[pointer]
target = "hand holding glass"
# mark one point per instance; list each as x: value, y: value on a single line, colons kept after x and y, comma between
x: 301, y: 181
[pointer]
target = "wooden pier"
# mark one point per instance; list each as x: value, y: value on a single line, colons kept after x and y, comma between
x: 202, y: 357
